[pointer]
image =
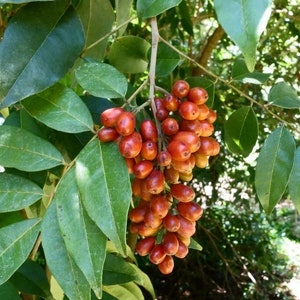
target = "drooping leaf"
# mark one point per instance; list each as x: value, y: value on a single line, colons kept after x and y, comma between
x: 283, y: 95
x: 151, y: 8
x: 274, y: 166
x: 22, y: 150
x: 59, y: 260
x: 9, y: 291
x: 241, y: 131
x: 75, y: 225
x: 17, y: 192
x: 244, y: 22
x: 241, y: 73
x: 97, y: 17
x: 16, y: 242
x: 123, y: 10
x: 294, y: 182
x: 119, y: 271
x: 167, y: 60
x: 39, y: 46
x: 129, y: 54
x: 31, y: 278
x: 60, y: 108
x: 105, y: 189
x: 101, y: 80
x: 128, y: 291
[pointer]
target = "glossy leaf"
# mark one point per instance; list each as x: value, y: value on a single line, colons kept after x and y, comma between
x: 241, y: 73
x: 274, y: 166
x: 244, y: 22
x: 75, y: 225
x: 294, y: 182
x: 186, y: 17
x: 60, y: 108
x: 119, y: 271
x: 16, y: 242
x: 128, y: 291
x: 241, y: 131
x: 22, y: 150
x: 59, y: 261
x: 152, y: 8
x: 39, y: 46
x: 129, y: 54
x: 97, y: 17
x: 31, y: 278
x: 105, y: 188
x: 167, y: 60
x: 17, y: 192
x: 101, y: 80
x: 123, y: 10
x: 283, y: 95
x: 9, y: 291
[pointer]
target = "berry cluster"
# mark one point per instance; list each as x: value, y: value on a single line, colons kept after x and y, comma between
x: 161, y: 156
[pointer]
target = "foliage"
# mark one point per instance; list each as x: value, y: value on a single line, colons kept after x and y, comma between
x: 64, y: 196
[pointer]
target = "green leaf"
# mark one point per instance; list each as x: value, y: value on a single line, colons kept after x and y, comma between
x: 10, y: 218
x: 39, y: 46
x: 101, y: 80
x: 186, y: 15
x: 17, y: 192
x: 127, y: 291
x: 16, y: 242
x: 31, y: 278
x: 75, y: 225
x: 294, y: 186
x: 241, y: 131
x: 283, y: 95
x: 59, y: 261
x: 9, y: 291
x: 22, y: 1
x: 129, y: 54
x: 97, y: 17
x: 123, y: 10
x: 105, y: 188
x: 241, y: 73
x: 244, y: 22
x: 167, y: 60
x: 195, y: 245
x: 22, y: 150
x: 119, y: 271
x: 151, y: 8
x: 61, y: 109
x: 274, y: 166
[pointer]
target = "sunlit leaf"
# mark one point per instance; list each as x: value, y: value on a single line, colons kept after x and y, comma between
x: 60, y: 108
x: 101, y: 80
x: 241, y: 131
x: 128, y: 291
x: 283, y: 95
x: 17, y: 192
x: 244, y: 22
x: 104, y: 186
x: 16, y: 242
x: 294, y: 182
x: 40, y: 45
x: 27, y: 152
x: 274, y: 166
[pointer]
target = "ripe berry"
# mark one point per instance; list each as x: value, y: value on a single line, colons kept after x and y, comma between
x: 191, y: 125
x: 182, y: 192
x: 207, y: 128
x: 149, y: 150
x: 186, y: 176
x: 167, y: 265
x: 170, y: 243
x: 155, y: 182
x: 109, y: 117
x: 131, y: 145
x: 137, y: 214
x: 107, y: 134
x: 125, y: 124
x: 179, y: 150
x: 171, y: 175
x: 136, y: 187
x: 190, y: 210
x: 159, y: 206
x: 201, y: 160
x: 188, y: 110
x: 146, y: 231
x: 209, y: 146
x: 151, y: 219
x: 189, y: 138
x: 170, y: 103
x: 203, y: 112
x: 171, y: 223
x: 180, y: 88
x: 187, y: 227
x: 198, y: 95
x: 182, y: 250
x: 144, y: 246
x: 148, y: 131
x: 157, y: 254
x: 212, y: 116
x: 130, y: 162
x: 169, y: 126
x: 164, y: 158
x: 142, y: 169
x: 184, y: 166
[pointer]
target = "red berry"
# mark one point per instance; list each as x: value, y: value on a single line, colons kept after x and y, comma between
x: 151, y: 219
x: 171, y: 175
x: 180, y: 88
x: 131, y: 145
x: 170, y: 103
x: 109, y: 117
x: 189, y: 110
x: 182, y: 250
x: 191, y: 125
x: 179, y: 150
x: 169, y: 126
x: 164, y: 158
x: 148, y: 131
x: 198, y: 95
x: 144, y: 246
x: 171, y: 222
x: 125, y: 124
x: 189, y: 138
x: 212, y: 116
x: 157, y: 254
x: 190, y: 210
x: 149, y: 150
x: 137, y: 214
x: 203, y: 111
x: 155, y: 182
x: 170, y: 243
x: 182, y: 192
x: 209, y: 146
x: 207, y: 128
x: 159, y: 205
x: 107, y: 134
x: 142, y: 169
x: 187, y: 227
x: 167, y: 265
